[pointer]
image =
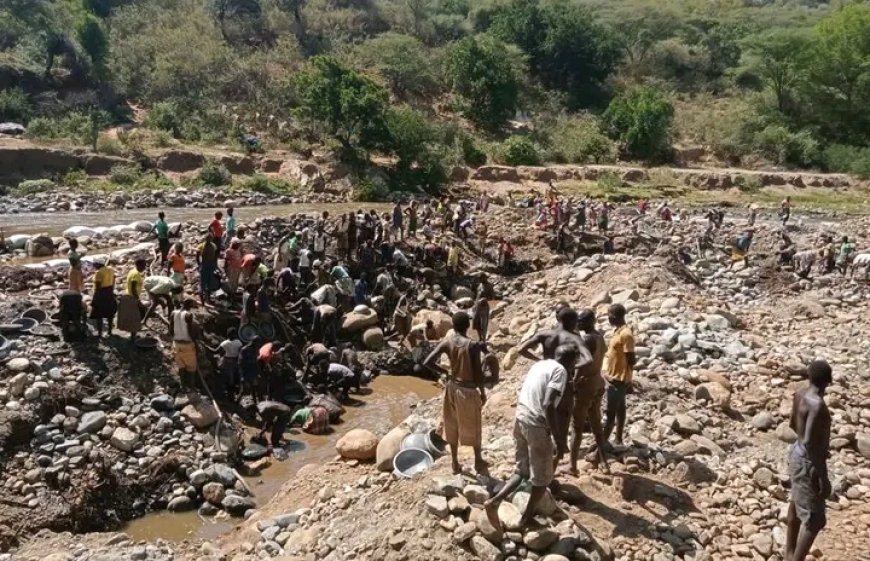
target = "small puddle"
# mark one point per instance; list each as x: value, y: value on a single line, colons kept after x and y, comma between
x: 387, y: 405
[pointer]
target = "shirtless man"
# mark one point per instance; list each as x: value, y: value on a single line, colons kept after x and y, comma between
x: 807, y: 463
x: 550, y: 340
x: 464, y: 394
x: 589, y: 389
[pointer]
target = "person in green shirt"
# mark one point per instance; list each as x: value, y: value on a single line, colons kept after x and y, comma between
x: 161, y: 228
x: 231, y: 226
x: 845, y: 255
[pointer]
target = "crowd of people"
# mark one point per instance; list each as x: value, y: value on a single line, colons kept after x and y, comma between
x: 324, y: 268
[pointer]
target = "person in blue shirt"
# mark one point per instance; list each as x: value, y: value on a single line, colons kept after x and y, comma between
x: 359, y: 290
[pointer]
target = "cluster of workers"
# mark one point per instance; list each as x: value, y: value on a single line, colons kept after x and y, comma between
x: 325, y: 268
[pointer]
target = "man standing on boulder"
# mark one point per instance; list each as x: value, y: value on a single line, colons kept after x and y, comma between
x: 464, y: 394
x: 620, y: 365
x: 535, y: 429
x: 807, y: 463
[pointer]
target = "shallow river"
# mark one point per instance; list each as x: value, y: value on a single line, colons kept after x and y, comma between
x: 387, y: 405
x: 54, y: 223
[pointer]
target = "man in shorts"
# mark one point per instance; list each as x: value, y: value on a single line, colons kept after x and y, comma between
x: 620, y: 367
x: 535, y: 429
x: 589, y: 389
x: 807, y: 463
x: 183, y: 333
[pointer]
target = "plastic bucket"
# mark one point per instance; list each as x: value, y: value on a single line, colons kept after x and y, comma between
x: 430, y: 442
x: 35, y: 313
x: 411, y: 461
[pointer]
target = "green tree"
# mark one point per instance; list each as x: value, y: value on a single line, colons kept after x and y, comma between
x: 420, y: 149
x: 641, y: 119
x: 779, y: 58
x: 92, y: 37
x: 483, y: 76
x: 520, y: 151
x: 839, y: 74
x: 568, y: 49
x: 349, y: 106
x: 403, y: 62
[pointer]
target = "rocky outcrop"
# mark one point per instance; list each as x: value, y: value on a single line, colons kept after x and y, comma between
x: 180, y: 161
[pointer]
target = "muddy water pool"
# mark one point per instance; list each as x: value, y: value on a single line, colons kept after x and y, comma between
x: 390, y: 402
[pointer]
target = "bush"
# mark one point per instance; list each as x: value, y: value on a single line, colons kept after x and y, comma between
x: 472, y: 155
x: 370, y: 192
x: 579, y: 140
x: 847, y: 159
x: 15, y: 106
x: 124, y: 174
x: 267, y: 185
x: 782, y: 146
x: 214, y: 174
x: 78, y: 127
x: 520, y: 151
x: 641, y: 119
x: 484, y: 77
x: 110, y: 146
x: 34, y: 186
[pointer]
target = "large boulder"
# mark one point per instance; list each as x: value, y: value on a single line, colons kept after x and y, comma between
x: 359, y: 320
x: 201, y: 414
x: 714, y: 393
x: 237, y: 505
x: 389, y: 446
x: 358, y: 444
x: 92, y: 422
x: 443, y: 323
x: 124, y: 439
x: 40, y: 246
x: 373, y: 339
x: 180, y: 161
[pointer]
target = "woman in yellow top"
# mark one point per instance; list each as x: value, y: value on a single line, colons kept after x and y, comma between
x: 620, y: 366
x: 76, y: 278
x: 130, y: 307
x: 104, y: 304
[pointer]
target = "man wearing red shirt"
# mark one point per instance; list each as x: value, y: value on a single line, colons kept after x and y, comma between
x: 216, y: 229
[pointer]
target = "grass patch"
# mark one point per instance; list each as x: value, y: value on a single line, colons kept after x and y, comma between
x: 266, y: 185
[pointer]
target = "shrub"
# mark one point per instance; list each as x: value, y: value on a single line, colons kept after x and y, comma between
x: 782, y: 146
x: 165, y: 116
x: 472, y: 155
x: 125, y: 174
x: 641, y: 120
x: 76, y: 127
x: 110, y: 146
x: 520, y: 151
x: 847, y: 159
x: 370, y: 192
x: 214, y: 174
x: 34, y: 186
x: 579, y: 140
x: 484, y: 77
x: 267, y: 185
x: 15, y: 106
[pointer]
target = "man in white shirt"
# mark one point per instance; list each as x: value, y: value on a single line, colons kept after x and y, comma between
x: 305, y: 265
x: 535, y: 429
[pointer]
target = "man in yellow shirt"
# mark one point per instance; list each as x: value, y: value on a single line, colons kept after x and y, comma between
x: 130, y: 307
x: 620, y: 365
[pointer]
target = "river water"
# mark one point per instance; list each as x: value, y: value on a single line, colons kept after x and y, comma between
x: 388, y: 404
x: 54, y: 223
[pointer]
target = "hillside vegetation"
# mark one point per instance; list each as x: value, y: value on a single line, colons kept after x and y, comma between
x: 427, y: 84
